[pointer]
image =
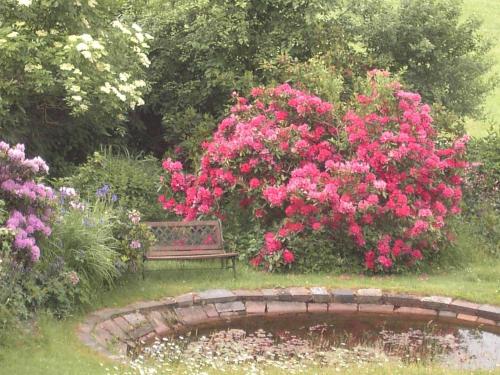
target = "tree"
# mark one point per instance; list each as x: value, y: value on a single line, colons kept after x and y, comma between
x: 69, y: 72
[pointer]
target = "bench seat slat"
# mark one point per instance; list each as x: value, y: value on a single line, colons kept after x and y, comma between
x: 187, y: 257
x: 183, y: 252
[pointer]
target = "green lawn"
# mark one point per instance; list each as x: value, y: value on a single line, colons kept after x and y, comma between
x: 489, y: 12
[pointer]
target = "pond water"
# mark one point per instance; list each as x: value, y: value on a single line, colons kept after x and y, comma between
x: 326, y: 340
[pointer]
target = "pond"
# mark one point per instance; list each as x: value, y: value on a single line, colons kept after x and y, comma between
x: 297, y: 342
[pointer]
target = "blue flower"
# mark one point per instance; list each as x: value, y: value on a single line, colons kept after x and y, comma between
x: 101, y: 192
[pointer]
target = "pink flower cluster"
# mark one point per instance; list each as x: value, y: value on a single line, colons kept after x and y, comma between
x: 373, y: 174
x: 29, y: 202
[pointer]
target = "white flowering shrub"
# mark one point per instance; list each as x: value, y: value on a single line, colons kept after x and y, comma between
x: 68, y: 62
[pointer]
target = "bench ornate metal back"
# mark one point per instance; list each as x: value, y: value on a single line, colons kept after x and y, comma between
x: 191, y: 240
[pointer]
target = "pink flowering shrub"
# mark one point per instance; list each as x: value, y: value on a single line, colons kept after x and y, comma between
x: 28, y: 201
x: 371, y: 174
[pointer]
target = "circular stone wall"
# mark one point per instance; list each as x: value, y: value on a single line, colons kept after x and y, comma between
x: 115, y: 332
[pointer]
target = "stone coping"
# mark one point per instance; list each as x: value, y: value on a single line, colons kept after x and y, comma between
x: 116, y: 332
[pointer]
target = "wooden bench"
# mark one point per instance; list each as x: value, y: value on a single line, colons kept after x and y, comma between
x: 190, y: 240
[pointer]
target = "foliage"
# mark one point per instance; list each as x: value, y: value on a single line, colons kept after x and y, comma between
x: 482, y: 186
x: 135, y: 238
x: 444, y: 58
x: 69, y: 72
x: 83, y: 241
x: 372, y: 176
x: 121, y: 178
x: 28, y: 203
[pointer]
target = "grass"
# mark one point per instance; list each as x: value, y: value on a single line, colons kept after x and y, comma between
x: 55, y: 349
x: 489, y: 12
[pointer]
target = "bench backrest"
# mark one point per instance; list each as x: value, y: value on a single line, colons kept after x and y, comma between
x: 186, y: 236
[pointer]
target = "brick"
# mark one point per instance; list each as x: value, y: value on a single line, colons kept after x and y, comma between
x: 320, y: 295
x: 236, y: 306
x: 248, y: 295
x: 369, y: 296
x: 486, y: 322
x: 489, y: 312
x: 156, y: 319
x: 343, y: 296
x: 464, y: 307
x: 376, y: 309
x: 255, y: 307
x: 141, y: 331
x: 113, y: 329
x: 467, y: 317
x: 123, y: 324
x: 216, y: 296
x: 135, y: 319
x: 447, y: 315
x: 416, y: 311
x: 300, y: 294
x: 270, y: 294
x: 436, y: 302
x: 275, y: 307
x: 402, y: 300
x: 317, y: 307
x: 191, y: 315
x: 103, y: 337
x: 185, y: 300
x: 342, y: 308
x: 211, y: 311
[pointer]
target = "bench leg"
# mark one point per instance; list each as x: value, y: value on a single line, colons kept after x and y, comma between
x: 233, y: 260
x: 143, y: 268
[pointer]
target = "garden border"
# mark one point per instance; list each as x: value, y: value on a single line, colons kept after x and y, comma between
x: 116, y: 332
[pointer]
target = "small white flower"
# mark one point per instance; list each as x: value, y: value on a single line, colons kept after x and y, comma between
x: 148, y: 36
x: 78, y: 72
x: 121, y: 96
x: 75, y: 88
x: 124, y: 76
x: 86, y: 38
x: 41, y: 33
x: 25, y: 3
x: 66, y: 66
x: 81, y: 47
x: 72, y: 38
x: 86, y: 54
x: 2, y: 41
x: 140, y: 101
x: 58, y: 44
x: 92, y: 3
x: 12, y: 34
x: 96, y: 45
x: 83, y: 107
x: 136, y: 27
x: 139, y: 83
x: 106, y: 88
x: 139, y: 37
x: 76, y: 98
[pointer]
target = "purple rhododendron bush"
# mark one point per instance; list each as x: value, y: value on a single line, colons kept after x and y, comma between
x: 372, y: 174
x: 28, y: 202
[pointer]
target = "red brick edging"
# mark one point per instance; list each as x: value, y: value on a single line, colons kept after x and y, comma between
x: 113, y: 332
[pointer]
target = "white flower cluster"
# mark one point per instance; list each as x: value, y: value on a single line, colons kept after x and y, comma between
x: 121, y: 85
x: 138, y: 38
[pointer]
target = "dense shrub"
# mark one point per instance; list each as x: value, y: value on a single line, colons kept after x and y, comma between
x: 371, y: 178
x: 128, y: 182
x: 69, y: 72
x: 482, y: 189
